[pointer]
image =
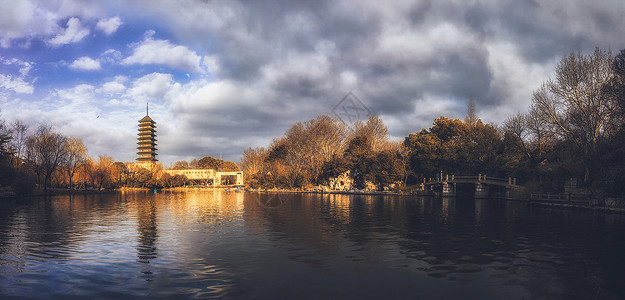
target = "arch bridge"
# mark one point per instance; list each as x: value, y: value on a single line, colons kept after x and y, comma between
x: 485, y: 186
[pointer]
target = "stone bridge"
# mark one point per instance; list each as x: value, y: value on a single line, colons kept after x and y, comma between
x: 485, y: 186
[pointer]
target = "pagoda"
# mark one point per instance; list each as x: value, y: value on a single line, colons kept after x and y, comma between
x: 147, y: 140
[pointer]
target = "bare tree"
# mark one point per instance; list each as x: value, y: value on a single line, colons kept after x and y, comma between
x: 471, y: 118
x: 47, y: 150
x: 76, y: 155
x: 540, y: 132
x: 575, y: 103
x: 252, y: 161
x: 5, y: 139
x: 19, y: 132
x: 517, y: 124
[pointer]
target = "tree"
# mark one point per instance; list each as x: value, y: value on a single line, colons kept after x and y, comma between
x: 76, y: 155
x: 374, y: 130
x: 6, y: 169
x: 217, y: 164
x: 143, y: 177
x: 252, y: 164
x: 517, y: 126
x: 359, y: 155
x: 540, y: 135
x: 616, y: 88
x: 5, y: 139
x: 47, y: 150
x: 18, y: 141
x: 181, y: 165
x: 575, y: 102
x: 484, y: 148
x: 120, y: 174
x: 471, y: 118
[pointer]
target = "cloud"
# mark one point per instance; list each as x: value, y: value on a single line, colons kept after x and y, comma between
x: 72, y: 34
x: 78, y: 95
x: 109, y: 26
x: 24, y: 66
x: 17, y: 85
x: 255, y: 68
x: 86, y: 64
x: 150, y: 87
x: 20, y: 19
x: 112, y: 87
x: 162, y: 52
x: 211, y: 64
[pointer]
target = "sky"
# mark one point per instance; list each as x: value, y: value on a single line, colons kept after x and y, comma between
x: 221, y: 76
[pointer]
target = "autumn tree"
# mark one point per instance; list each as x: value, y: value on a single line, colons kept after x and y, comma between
x: 76, y: 155
x: 120, y: 174
x: 181, y: 165
x: 484, y: 147
x: 252, y: 164
x: 375, y: 131
x: 217, y: 164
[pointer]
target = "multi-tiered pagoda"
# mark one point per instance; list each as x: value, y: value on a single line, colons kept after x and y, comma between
x: 147, y: 140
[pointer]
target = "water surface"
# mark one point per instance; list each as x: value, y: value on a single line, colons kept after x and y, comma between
x: 218, y: 244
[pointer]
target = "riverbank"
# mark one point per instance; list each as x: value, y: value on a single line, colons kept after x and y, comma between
x: 53, y: 192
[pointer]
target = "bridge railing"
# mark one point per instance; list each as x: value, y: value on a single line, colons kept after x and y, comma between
x: 464, y: 178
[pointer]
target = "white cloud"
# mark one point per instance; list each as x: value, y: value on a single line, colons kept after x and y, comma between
x: 109, y: 26
x: 86, y: 64
x: 211, y: 64
x: 111, y: 56
x: 163, y: 52
x: 24, y: 66
x: 112, y: 87
x: 74, y: 33
x: 19, y: 19
x: 79, y: 94
x: 17, y: 85
x: 151, y: 86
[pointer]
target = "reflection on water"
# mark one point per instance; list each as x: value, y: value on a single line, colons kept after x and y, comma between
x: 148, y: 232
x: 217, y: 244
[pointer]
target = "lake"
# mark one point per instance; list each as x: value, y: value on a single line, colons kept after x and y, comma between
x: 219, y: 244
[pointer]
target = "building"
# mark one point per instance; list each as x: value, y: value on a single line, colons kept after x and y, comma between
x: 146, y: 141
x: 207, y: 176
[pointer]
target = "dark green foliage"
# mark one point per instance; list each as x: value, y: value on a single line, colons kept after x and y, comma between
x: 23, y: 185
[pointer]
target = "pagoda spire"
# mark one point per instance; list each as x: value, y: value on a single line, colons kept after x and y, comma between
x: 146, y: 108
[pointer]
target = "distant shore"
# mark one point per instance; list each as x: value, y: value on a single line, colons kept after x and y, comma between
x: 61, y: 191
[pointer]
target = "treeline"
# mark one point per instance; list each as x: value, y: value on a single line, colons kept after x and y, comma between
x: 573, y: 131
x: 207, y: 162
x: 575, y: 127
x: 312, y: 152
x: 49, y: 159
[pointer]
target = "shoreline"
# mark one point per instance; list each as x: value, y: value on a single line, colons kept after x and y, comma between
x: 62, y: 192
